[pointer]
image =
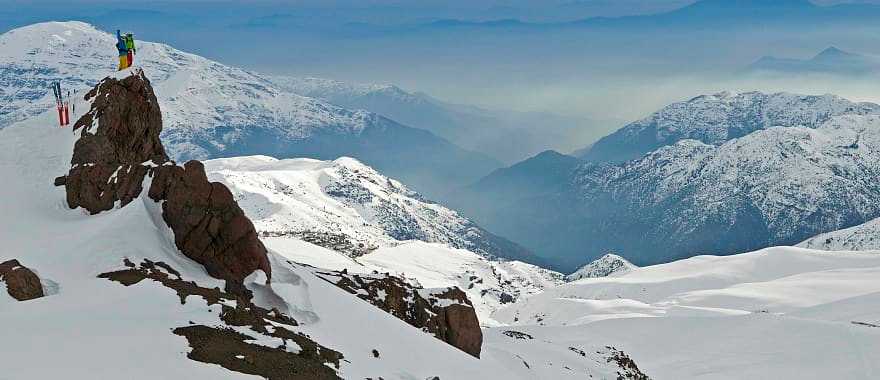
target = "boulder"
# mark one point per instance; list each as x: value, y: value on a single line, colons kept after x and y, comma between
x: 21, y: 282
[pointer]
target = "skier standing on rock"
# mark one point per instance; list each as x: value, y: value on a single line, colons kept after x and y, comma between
x: 122, y: 46
x: 129, y: 45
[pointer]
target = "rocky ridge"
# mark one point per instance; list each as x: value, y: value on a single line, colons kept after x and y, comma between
x: 119, y: 148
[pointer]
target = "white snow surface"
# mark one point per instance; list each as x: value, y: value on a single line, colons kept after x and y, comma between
x: 607, y: 265
x: 205, y: 105
x: 777, y: 313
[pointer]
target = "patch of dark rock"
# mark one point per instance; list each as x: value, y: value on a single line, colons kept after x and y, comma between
x: 375, y: 353
x: 866, y: 324
x: 231, y: 350
x: 333, y: 241
x: 628, y: 368
x: 577, y: 351
x: 21, y: 282
x: 268, y: 322
x: 445, y: 313
x: 517, y: 334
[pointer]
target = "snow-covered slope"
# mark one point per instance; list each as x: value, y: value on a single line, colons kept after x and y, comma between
x: 864, y: 237
x: 714, y: 119
x: 608, y: 265
x: 98, y: 328
x: 213, y: 110
x: 366, y: 221
x: 780, y: 313
x: 347, y: 206
x: 489, y: 284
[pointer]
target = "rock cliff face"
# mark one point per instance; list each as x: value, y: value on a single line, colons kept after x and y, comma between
x: 445, y: 313
x: 119, y: 147
x: 21, y: 282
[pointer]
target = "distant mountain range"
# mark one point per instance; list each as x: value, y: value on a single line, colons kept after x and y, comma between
x: 772, y: 169
x: 212, y: 110
x: 507, y: 136
x: 830, y: 61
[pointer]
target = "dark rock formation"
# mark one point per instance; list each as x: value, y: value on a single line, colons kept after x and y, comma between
x: 119, y: 147
x: 235, y: 350
x: 446, y: 312
x: 21, y: 282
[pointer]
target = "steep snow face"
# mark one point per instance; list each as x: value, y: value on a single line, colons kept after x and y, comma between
x: 714, y: 119
x: 206, y: 106
x: 345, y: 205
x: 723, y: 317
x: 864, y: 237
x: 608, y: 265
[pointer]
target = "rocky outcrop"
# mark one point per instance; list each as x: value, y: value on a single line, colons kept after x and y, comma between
x: 21, y: 283
x: 119, y: 148
x: 445, y: 313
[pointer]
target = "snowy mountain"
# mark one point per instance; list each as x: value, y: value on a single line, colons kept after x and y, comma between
x: 605, y: 266
x: 347, y: 206
x: 124, y: 275
x: 212, y: 110
x: 508, y: 136
x: 362, y: 221
x: 773, y: 186
x: 829, y: 61
x: 777, y: 313
x: 863, y: 237
x: 715, y: 119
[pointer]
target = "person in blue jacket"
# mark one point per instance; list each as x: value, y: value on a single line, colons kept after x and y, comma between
x: 123, y: 50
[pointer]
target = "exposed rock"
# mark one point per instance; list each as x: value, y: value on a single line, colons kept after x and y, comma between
x: 208, y: 225
x: 446, y: 312
x: 233, y: 349
x: 21, y: 283
x: 628, y: 368
x: 119, y: 147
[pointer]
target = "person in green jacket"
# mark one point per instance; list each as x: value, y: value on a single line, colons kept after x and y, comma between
x: 129, y: 44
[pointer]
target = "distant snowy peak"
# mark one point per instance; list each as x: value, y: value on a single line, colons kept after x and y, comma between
x: 717, y: 118
x: 605, y: 266
x: 864, y: 237
x: 346, y: 206
x: 206, y: 106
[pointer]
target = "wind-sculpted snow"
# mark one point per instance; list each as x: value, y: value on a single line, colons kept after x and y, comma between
x: 715, y: 119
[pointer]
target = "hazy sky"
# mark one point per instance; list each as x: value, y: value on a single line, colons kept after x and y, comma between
x: 618, y: 69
